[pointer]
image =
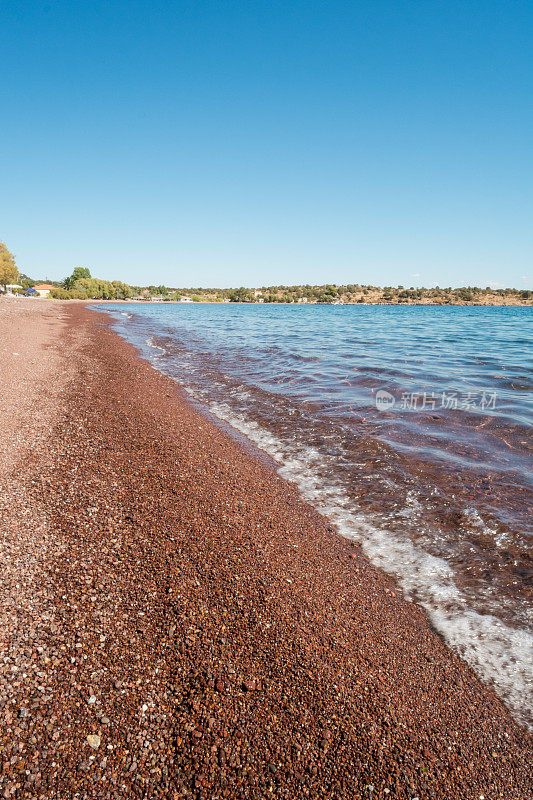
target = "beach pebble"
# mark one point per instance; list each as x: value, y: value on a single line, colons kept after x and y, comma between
x: 94, y: 741
x: 256, y: 687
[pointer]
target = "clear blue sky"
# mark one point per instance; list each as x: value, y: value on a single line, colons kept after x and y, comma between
x: 225, y: 143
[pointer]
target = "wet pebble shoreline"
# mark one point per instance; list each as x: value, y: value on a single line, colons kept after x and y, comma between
x: 196, y: 630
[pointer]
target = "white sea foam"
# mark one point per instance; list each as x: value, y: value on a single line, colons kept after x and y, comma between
x: 150, y: 343
x: 500, y: 655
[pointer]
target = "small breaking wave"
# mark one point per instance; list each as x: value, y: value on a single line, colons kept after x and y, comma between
x: 438, y: 502
x: 500, y: 655
x: 150, y: 342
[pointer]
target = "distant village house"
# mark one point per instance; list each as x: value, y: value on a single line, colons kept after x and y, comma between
x: 43, y: 289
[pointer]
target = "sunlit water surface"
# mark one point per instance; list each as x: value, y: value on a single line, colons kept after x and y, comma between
x: 433, y: 479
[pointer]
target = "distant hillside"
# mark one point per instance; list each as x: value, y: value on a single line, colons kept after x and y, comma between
x: 81, y: 285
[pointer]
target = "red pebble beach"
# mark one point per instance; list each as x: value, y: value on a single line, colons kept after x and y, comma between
x: 178, y: 623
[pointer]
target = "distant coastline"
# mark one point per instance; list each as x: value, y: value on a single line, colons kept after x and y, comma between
x: 82, y: 286
x: 490, y: 301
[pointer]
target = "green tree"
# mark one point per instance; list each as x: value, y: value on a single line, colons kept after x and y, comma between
x: 57, y: 293
x: 241, y: 295
x: 78, y: 274
x: 122, y: 290
x: 25, y: 281
x: 8, y: 269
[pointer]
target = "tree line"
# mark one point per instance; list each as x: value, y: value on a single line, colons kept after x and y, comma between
x: 81, y: 285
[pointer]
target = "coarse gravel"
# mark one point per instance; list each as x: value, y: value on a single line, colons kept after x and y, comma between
x: 182, y: 625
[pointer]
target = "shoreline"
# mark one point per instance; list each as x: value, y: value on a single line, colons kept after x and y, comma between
x: 461, y: 304
x: 205, y: 624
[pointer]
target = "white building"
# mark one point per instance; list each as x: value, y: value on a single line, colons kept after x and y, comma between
x: 43, y: 289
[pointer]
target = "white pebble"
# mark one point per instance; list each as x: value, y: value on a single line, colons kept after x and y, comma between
x: 94, y: 741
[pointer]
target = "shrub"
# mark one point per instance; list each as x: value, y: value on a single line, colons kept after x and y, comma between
x: 59, y: 294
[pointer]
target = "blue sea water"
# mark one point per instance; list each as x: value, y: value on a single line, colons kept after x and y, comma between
x: 409, y: 427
